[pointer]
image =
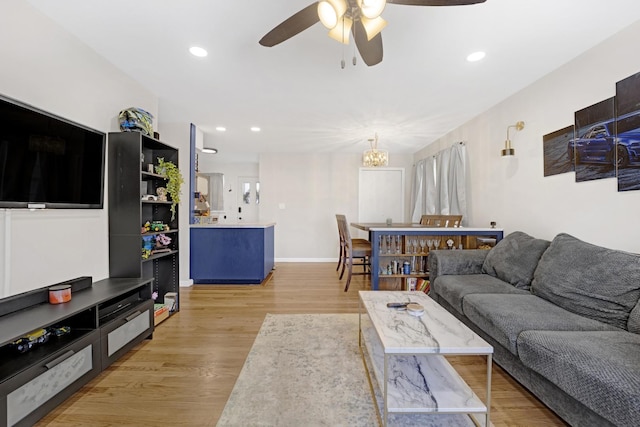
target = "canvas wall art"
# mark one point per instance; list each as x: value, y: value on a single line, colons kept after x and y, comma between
x: 628, y: 133
x: 593, y: 146
x: 558, y: 156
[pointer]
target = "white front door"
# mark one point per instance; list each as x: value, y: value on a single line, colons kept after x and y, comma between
x: 248, y: 199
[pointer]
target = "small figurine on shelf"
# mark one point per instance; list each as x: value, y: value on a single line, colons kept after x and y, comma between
x: 147, y: 246
x: 450, y: 243
x: 146, y: 227
x: 158, y: 226
x: 59, y: 331
x: 162, y: 241
x: 162, y: 194
x: 25, y: 343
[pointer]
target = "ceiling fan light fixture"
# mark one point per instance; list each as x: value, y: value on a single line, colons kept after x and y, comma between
x: 330, y: 12
x: 371, y: 8
x: 372, y: 27
x: 342, y: 30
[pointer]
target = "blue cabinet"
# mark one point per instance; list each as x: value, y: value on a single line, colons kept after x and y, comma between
x: 231, y: 254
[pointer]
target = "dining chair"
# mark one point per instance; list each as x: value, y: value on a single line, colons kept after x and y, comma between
x: 441, y: 220
x: 350, y: 249
x: 342, y: 249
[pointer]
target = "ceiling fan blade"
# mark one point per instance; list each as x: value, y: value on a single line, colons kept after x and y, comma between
x: 370, y: 50
x: 435, y: 2
x: 293, y: 25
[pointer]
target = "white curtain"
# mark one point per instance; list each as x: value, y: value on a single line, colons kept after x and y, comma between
x: 416, y: 193
x: 439, y: 184
x: 424, y: 189
x: 456, y: 181
x: 442, y: 182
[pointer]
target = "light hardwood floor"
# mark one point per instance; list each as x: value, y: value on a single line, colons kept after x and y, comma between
x: 184, y: 375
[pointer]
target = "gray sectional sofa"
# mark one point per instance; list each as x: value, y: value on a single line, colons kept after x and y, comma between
x: 563, y: 318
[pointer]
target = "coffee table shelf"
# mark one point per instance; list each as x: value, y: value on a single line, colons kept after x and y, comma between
x: 406, y: 355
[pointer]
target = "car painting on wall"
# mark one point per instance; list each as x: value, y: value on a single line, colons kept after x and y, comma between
x: 557, y: 157
x: 593, y: 146
x: 628, y: 133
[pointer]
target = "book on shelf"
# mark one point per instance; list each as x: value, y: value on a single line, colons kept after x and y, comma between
x: 423, y: 285
x: 160, y: 313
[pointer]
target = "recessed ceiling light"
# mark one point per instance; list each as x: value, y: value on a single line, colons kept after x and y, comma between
x: 221, y: 128
x: 209, y: 150
x: 476, y: 56
x: 198, y: 51
x: 255, y: 129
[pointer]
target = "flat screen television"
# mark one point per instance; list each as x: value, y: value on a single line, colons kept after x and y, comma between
x: 47, y: 161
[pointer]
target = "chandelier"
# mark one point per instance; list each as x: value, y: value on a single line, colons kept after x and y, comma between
x: 374, y: 157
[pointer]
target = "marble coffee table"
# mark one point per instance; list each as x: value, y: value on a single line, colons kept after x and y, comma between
x: 406, y: 355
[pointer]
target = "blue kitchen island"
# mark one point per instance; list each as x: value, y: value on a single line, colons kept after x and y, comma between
x: 231, y: 253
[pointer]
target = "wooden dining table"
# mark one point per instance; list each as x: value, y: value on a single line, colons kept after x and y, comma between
x: 378, y: 231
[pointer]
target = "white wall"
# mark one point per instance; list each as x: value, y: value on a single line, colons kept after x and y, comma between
x: 178, y: 135
x: 513, y: 191
x: 45, y: 66
x: 313, y: 188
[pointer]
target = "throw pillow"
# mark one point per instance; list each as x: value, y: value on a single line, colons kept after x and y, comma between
x: 514, y: 259
x: 593, y: 281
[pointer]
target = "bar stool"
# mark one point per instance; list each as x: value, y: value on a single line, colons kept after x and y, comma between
x: 343, y: 252
x: 441, y: 220
x: 350, y: 249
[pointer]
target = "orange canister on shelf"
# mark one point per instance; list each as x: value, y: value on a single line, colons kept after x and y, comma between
x: 59, y: 294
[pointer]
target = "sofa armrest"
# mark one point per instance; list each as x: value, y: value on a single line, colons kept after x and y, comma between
x: 443, y: 262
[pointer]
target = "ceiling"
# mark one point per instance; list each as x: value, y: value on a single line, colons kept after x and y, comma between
x: 297, y: 93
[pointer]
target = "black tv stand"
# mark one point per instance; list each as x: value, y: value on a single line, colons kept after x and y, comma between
x: 106, y: 319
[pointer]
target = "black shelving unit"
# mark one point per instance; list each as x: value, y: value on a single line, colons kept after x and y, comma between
x: 130, y: 157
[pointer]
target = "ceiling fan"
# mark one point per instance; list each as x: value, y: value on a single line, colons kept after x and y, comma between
x: 359, y: 17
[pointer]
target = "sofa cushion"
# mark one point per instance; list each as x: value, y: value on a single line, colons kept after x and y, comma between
x: 600, y: 283
x: 633, y: 324
x: 599, y: 369
x: 453, y: 289
x: 443, y: 262
x: 505, y: 316
x: 514, y: 259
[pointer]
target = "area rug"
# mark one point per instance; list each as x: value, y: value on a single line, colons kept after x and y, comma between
x: 307, y: 370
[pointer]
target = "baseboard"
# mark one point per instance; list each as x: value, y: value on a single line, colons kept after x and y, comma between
x: 306, y: 260
x: 186, y: 283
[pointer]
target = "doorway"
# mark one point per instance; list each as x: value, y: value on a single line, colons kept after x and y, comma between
x: 248, y: 199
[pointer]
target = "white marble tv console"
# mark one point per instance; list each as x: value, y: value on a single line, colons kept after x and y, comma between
x: 406, y: 354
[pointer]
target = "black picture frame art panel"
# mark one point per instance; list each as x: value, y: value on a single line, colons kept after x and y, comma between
x: 558, y: 156
x: 593, y: 146
x: 628, y: 133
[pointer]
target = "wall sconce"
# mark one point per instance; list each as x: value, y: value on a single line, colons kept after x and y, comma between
x: 508, y: 151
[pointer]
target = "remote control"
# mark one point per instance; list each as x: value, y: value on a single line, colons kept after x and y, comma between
x: 397, y: 304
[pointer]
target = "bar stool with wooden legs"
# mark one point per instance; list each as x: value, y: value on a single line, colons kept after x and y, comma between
x: 441, y: 220
x: 343, y: 252
x: 353, y: 248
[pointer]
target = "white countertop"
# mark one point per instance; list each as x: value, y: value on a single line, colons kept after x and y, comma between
x: 235, y: 225
x: 439, y: 230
